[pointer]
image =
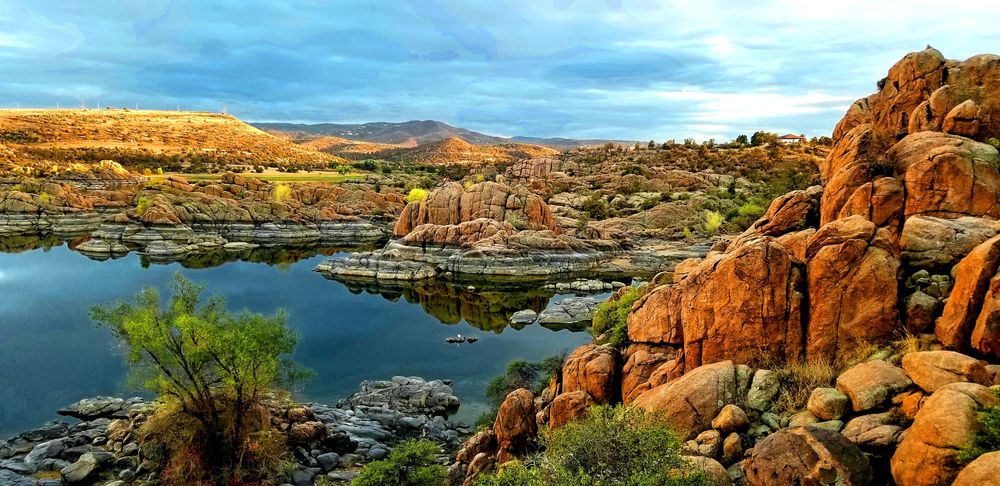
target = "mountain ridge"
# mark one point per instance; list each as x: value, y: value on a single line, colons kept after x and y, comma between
x: 415, y: 132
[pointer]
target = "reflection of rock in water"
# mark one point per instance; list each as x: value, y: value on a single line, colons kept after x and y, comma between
x: 487, y: 307
x: 279, y: 255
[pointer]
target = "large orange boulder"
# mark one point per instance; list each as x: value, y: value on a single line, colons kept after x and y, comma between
x: 931, y: 370
x: 972, y: 281
x: 947, y: 175
x: 984, y: 470
x: 568, y: 407
x: 690, y: 402
x: 852, y: 286
x: 515, y: 425
x: 453, y: 204
x: 945, y: 424
x: 595, y: 370
x: 807, y: 456
x: 745, y: 301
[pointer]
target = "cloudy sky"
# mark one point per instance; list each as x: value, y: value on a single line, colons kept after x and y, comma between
x: 578, y: 68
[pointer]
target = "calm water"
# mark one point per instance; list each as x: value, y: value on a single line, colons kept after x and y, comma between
x: 51, y: 354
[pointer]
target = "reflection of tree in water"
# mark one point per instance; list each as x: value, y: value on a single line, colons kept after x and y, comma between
x: 487, y: 307
x: 21, y: 243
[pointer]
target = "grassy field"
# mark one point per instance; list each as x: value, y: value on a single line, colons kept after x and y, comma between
x: 314, y: 176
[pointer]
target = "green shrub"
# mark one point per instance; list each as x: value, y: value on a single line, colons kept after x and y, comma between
x: 416, y: 194
x: 596, y: 208
x: 409, y: 464
x: 649, y: 204
x: 281, y: 193
x: 988, y: 437
x: 612, y: 316
x: 142, y: 205
x: 713, y: 221
x: 609, y: 446
x: 632, y: 169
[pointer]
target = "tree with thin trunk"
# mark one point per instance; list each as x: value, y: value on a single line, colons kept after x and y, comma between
x: 207, y: 364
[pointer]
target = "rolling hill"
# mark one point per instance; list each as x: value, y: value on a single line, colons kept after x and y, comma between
x: 146, y: 138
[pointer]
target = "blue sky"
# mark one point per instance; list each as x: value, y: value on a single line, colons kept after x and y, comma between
x: 577, y: 68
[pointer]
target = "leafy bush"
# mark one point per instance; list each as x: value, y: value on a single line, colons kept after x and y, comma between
x: 213, y: 371
x: 409, y: 464
x: 416, y: 194
x: 987, y: 439
x: 611, y: 317
x: 633, y: 169
x: 609, y: 446
x: 596, y: 208
x: 713, y: 221
x: 281, y: 193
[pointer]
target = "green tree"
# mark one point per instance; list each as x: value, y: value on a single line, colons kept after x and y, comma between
x: 209, y: 365
x: 409, y: 464
x: 651, y: 145
x: 741, y: 140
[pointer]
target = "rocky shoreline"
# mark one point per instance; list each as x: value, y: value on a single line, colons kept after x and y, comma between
x: 328, y: 442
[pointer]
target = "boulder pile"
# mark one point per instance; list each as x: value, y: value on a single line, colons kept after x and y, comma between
x: 900, y: 239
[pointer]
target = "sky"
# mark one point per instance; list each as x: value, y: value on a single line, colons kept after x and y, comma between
x: 635, y: 70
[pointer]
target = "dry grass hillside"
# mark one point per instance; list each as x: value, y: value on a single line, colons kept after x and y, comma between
x: 146, y: 139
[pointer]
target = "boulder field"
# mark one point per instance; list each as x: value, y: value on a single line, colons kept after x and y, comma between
x: 887, y: 275
x: 327, y: 443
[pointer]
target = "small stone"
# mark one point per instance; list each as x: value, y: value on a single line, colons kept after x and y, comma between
x: 732, y: 448
x: 827, y: 403
x: 872, y: 383
x: 730, y: 418
x: 772, y: 420
x: 802, y: 418
x: 328, y: 461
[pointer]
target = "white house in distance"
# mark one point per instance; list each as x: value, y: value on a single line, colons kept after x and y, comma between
x: 791, y: 138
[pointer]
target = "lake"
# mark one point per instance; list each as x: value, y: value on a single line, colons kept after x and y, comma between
x: 52, y: 354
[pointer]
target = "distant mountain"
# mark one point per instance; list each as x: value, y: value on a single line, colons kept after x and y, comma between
x: 568, y: 143
x: 412, y: 133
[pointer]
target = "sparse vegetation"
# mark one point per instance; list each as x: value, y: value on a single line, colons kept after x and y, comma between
x: 610, y: 445
x: 534, y: 376
x: 713, y: 221
x: 987, y: 439
x: 281, y: 193
x: 142, y: 205
x: 611, y: 317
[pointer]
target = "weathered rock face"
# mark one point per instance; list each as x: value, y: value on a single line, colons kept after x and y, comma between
x: 594, y: 370
x: 847, y: 168
x: 655, y: 317
x: 986, y: 334
x: 453, y: 204
x: 930, y: 242
x: 946, y: 175
x: 745, y: 300
x: 851, y: 274
x: 945, y: 424
x: 879, y: 201
x: 690, y: 402
x: 807, y: 455
x: 646, y: 368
